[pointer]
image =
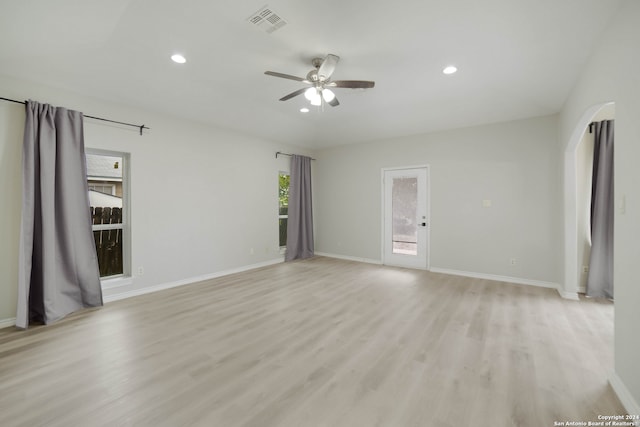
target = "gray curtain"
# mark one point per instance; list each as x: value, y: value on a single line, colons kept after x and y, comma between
x: 600, y: 277
x: 58, y: 267
x: 300, y: 222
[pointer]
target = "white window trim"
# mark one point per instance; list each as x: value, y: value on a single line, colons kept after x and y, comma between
x: 116, y: 281
x: 103, y: 227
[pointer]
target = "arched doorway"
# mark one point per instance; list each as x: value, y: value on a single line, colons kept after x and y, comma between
x: 572, y: 254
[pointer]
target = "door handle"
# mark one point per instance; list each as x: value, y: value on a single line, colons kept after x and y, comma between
x: 423, y: 224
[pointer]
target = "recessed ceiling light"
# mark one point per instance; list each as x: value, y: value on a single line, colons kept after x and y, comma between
x: 450, y: 69
x: 178, y: 58
x: 304, y: 110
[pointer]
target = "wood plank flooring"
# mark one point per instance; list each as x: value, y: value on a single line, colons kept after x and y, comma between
x: 321, y: 342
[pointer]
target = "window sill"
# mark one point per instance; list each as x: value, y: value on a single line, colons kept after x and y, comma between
x: 116, y: 282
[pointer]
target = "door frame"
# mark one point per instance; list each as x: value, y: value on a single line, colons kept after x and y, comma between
x: 427, y: 169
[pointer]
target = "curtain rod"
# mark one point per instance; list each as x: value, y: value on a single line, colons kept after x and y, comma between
x: 287, y: 154
x: 593, y: 123
x: 141, y: 127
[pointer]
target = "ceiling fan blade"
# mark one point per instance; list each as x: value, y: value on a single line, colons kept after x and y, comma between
x: 286, y: 76
x: 292, y: 94
x: 352, y: 84
x: 327, y: 67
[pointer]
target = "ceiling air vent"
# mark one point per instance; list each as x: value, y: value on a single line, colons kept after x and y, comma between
x: 267, y: 20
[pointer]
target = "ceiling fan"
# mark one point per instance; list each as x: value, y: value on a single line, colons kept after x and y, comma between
x: 319, y: 80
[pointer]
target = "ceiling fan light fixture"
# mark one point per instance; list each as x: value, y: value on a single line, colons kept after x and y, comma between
x: 317, y: 100
x: 319, y: 80
x: 313, y: 95
x: 328, y: 95
x: 310, y: 93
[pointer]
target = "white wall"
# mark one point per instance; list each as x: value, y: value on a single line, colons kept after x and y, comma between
x: 202, y: 197
x: 612, y: 75
x: 513, y: 164
x: 10, y: 199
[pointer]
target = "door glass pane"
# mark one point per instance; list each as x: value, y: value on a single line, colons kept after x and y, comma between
x: 404, y: 205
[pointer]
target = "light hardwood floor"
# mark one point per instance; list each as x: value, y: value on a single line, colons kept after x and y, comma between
x: 321, y: 342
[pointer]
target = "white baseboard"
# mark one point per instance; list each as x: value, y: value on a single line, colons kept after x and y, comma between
x: 7, y: 323
x: 623, y: 394
x: 568, y: 295
x: 571, y: 295
x: 350, y: 258
x: 163, y: 286
x: 497, y: 278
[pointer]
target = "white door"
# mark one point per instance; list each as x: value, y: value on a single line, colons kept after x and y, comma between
x: 406, y: 217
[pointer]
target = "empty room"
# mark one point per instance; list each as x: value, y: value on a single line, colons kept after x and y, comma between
x: 333, y: 214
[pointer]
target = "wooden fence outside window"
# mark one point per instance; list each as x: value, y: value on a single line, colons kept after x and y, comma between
x: 109, y: 241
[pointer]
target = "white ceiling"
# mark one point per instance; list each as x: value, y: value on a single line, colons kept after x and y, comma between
x: 516, y: 59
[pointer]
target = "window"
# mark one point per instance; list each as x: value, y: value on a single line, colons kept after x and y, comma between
x: 283, y: 206
x: 107, y: 175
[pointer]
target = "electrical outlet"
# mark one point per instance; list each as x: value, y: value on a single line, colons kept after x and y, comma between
x: 513, y: 261
x: 622, y: 205
x: 251, y: 251
x: 585, y: 268
x: 140, y: 271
